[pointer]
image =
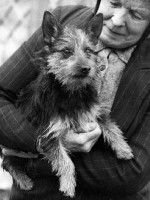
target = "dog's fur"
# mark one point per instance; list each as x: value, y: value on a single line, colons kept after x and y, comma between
x: 65, y: 97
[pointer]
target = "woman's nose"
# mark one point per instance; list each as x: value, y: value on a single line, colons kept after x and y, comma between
x: 119, y: 17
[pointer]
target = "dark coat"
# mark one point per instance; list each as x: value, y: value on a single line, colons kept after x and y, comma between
x: 100, y: 175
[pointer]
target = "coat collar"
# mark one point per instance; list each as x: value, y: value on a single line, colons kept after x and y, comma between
x: 123, y: 54
x: 143, y: 53
x: 133, y: 87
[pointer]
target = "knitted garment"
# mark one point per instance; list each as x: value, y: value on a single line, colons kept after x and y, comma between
x: 112, y: 63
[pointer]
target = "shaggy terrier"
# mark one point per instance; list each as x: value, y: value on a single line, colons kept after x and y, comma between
x: 64, y: 97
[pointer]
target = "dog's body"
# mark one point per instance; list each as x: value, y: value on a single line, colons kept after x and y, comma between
x: 65, y: 97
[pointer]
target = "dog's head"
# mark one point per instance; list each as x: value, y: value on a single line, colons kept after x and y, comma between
x: 72, y: 51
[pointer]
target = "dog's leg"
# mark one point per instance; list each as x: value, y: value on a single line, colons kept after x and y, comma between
x: 66, y: 171
x: 21, y: 179
x: 64, y: 168
x: 114, y: 136
x: 19, y: 176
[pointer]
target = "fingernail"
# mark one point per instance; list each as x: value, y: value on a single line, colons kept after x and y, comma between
x: 16, y: 151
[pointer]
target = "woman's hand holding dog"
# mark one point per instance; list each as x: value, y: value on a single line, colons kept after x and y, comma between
x: 84, y: 141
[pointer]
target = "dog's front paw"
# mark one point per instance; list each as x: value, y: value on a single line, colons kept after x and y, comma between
x: 67, y: 186
x: 119, y: 145
x: 124, y: 152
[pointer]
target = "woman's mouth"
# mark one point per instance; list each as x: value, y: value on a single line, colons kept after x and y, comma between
x: 114, y: 32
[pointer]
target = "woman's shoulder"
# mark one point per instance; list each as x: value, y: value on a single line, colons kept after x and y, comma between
x: 144, y: 52
x: 72, y: 14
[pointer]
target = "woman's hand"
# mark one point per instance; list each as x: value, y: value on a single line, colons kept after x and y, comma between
x: 84, y: 141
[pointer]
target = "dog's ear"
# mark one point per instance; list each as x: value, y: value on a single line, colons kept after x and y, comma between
x: 51, y: 28
x: 94, y: 27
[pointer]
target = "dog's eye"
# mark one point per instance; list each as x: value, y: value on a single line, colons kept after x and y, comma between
x: 88, y: 51
x: 67, y: 52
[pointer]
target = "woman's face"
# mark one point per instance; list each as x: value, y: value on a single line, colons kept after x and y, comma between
x: 124, y: 22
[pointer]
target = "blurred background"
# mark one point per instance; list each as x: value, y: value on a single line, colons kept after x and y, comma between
x: 18, y: 20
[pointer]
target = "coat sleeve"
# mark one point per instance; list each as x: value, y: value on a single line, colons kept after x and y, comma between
x: 100, y: 170
x: 16, y: 73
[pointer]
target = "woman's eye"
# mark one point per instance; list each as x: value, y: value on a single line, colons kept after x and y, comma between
x: 136, y: 15
x: 115, y: 4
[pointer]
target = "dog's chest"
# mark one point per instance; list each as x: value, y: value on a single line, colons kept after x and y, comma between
x: 73, y: 118
x: 61, y: 125
x: 73, y: 111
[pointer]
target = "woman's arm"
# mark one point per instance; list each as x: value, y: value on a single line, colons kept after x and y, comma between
x: 100, y: 170
x: 16, y: 73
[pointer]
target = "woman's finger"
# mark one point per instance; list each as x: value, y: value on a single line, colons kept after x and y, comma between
x: 89, y: 127
x: 21, y: 154
x: 90, y: 135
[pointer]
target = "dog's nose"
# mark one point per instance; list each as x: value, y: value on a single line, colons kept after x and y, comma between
x: 85, y: 70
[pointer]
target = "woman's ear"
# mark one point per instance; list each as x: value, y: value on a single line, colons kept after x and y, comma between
x: 51, y: 28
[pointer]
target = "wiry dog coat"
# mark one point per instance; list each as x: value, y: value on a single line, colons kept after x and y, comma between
x: 65, y: 97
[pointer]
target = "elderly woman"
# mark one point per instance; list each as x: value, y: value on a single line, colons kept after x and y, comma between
x: 125, y: 46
